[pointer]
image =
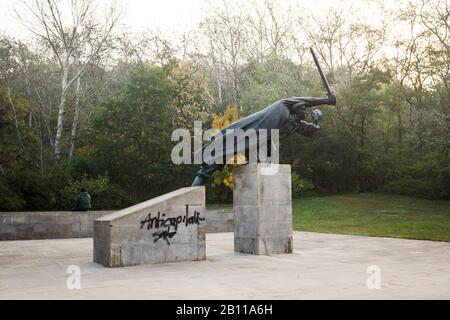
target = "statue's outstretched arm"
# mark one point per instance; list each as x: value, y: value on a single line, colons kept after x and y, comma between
x: 308, y: 102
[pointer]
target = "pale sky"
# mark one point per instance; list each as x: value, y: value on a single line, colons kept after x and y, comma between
x: 176, y: 15
x: 166, y: 14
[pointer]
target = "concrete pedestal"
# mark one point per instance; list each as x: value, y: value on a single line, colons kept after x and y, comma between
x: 168, y: 228
x: 262, y: 204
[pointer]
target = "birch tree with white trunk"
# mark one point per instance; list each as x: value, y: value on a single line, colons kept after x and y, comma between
x: 76, y: 118
x: 74, y: 34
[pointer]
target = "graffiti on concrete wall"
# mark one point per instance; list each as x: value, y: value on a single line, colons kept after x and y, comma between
x: 169, y: 225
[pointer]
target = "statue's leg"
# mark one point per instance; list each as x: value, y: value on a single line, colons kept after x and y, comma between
x: 205, y: 172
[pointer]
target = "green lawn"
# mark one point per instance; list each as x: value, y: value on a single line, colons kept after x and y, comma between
x: 371, y: 215
x: 228, y: 207
x: 374, y: 215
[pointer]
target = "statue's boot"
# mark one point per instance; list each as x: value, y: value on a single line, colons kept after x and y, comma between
x: 199, y: 181
x: 205, y: 173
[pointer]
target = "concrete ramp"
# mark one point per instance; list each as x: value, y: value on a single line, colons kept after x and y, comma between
x: 165, y: 229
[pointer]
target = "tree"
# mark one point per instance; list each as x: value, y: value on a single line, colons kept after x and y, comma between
x: 128, y: 138
x: 346, y: 46
x: 270, y: 30
x: 7, y: 68
x: 274, y: 78
x: 74, y: 36
x: 226, y: 32
x: 192, y: 100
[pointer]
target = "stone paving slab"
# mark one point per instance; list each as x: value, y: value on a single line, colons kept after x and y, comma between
x: 323, y: 266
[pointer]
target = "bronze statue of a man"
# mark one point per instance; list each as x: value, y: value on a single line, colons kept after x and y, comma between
x: 287, y: 115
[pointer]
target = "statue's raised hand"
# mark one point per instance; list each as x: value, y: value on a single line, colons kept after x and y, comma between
x: 332, y: 99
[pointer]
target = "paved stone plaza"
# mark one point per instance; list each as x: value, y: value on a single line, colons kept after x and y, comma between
x: 323, y: 266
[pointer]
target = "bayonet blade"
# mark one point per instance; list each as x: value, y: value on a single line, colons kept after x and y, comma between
x: 324, y: 79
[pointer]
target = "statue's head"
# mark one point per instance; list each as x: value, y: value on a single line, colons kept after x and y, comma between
x: 316, y: 114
